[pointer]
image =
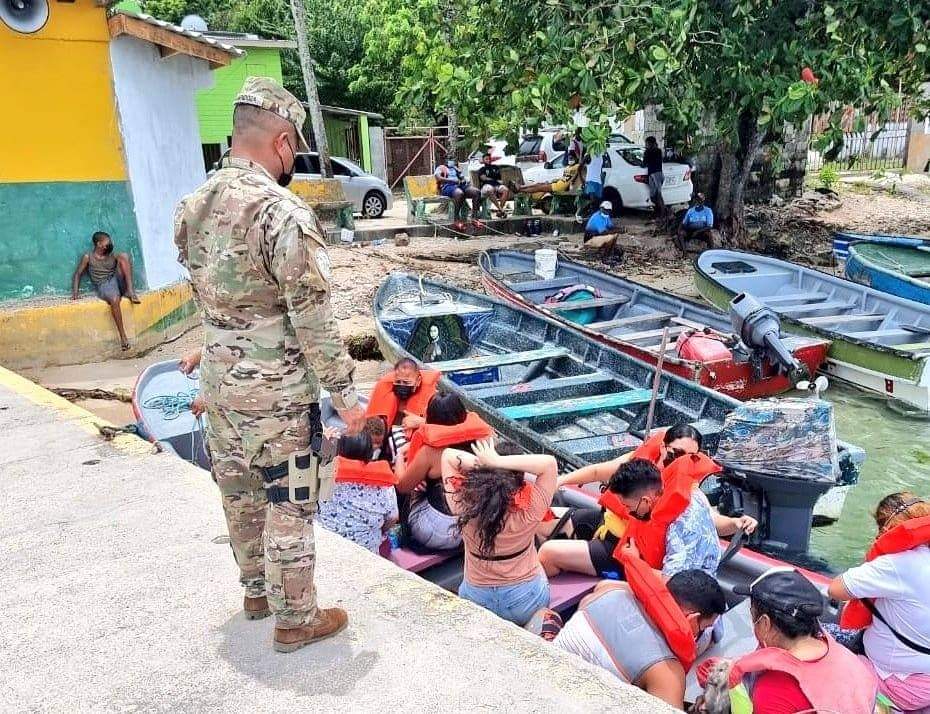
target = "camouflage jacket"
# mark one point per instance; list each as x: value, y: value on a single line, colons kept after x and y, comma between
x: 260, y: 275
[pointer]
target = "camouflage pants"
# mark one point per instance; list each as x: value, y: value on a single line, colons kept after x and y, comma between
x: 273, y: 544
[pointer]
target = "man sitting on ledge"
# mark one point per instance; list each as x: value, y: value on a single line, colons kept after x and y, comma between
x: 111, y: 276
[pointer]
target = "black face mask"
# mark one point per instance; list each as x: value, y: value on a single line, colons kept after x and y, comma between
x: 403, y: 391
x: 285, y: 177
x: 108, y: 249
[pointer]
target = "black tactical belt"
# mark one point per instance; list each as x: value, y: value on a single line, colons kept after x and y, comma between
x: 278, y: 494
x: 273, y: 473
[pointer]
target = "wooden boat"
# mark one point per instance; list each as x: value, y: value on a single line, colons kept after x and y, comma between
x: 880, y: 342
x: 631, y: 317
x: 897, y: 268
x: 546, y: 386
x: 843, y: 239
x: 161, y: 401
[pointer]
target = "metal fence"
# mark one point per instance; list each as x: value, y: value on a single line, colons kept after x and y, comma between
x: 877, y: 146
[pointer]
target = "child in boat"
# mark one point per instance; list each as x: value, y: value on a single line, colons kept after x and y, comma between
x: 363, y: 505
x: 896, y: 578
x: 498, y: 512
x: 430, y: 520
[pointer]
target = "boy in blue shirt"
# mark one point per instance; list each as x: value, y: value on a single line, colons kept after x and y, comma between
x: 600, y: 232
x: 697, y: 223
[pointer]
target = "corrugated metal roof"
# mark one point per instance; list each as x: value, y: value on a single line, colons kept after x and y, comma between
x: 197, y: 36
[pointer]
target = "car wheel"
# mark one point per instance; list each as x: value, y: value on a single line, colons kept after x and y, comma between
x: 613, y: 195
x: 373, y: 205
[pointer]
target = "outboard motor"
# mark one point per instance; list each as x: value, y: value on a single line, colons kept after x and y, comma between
x: 779, y: 457
x: 759, y: 328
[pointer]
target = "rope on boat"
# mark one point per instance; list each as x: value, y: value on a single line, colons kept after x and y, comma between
x: 171, y: 405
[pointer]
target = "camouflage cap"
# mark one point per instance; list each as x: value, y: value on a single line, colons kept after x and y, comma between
x: 267, y: 94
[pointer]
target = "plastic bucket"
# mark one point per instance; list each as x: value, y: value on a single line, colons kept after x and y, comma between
x: 546, y: 262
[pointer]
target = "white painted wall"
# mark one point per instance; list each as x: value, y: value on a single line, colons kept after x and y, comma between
x: 161, y: 139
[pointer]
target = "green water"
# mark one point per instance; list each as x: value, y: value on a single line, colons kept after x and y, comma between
x: 897, y: 459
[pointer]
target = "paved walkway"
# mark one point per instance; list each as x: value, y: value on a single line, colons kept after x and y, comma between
x: 120, y: 594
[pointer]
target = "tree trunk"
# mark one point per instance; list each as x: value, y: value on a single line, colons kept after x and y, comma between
x: 313, y: 98
x: 733, y: 172
x: 452, y: 117
x: 453, y: 138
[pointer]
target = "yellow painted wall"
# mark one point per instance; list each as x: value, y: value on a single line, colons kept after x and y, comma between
x: 59, y: 120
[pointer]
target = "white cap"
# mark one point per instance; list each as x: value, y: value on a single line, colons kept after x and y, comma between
x: 607, y: 205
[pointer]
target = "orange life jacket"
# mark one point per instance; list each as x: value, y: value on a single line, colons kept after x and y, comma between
x: 651, y: 450
x: 903, y: 537
x: 439, y: 436
x: 384, y: 403
x: 661, y: 609
x: 372, y: 473
x: 649, y: 535
x: 837, y: 682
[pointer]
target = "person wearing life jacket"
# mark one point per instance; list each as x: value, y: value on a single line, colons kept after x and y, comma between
x: 645, y: 631
x: 662, y: 448
x: 363, y: 504
x: 893, y: 601
x: 798, y: 667
x: 448, y: 424
x: 670, y: 521
x: 497, y: 511
x: 402, y: 395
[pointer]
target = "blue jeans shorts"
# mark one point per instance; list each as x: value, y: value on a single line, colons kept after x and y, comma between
x: 516, y: 603
x: 594, y: 189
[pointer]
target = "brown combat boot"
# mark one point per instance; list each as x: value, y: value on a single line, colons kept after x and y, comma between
x: 255, y: 608
x: 330, y: 622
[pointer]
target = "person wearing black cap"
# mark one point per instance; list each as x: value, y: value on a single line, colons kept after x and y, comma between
x: 797, y: 667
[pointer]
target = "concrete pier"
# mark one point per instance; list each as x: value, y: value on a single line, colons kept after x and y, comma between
x: 120, y: 593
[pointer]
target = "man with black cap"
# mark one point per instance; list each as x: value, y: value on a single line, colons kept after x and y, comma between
x: 261, y: 277
x: 797, y: 667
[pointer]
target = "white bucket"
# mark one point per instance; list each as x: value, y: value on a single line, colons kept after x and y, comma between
x: 546, y: 262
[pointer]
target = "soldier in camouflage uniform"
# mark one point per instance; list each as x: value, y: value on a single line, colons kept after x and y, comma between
x: 260, y: 275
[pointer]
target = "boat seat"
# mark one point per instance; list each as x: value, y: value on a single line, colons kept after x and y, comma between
x: 649, y: 334
x: 836, y: 305
x: 913, y: 347
x: 872, y: 334
x: 543, y: 284
x: 690, y: 323
x: 439, y: 309
x: 567, y: 589
x: 578, y: 405
x: 416, y: 562
x: 482, y: 391
x: 586, y: 304
x: 828, y: 319
x: 498, y: 360
x: 795, y: 297
x: 621, y: 442
x: 625, y: 321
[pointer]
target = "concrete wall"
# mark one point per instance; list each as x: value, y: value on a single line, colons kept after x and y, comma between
x: 62, y: 172
x: 918, y: 145
x: 378, y: 160
x: 158, y: 120
x: 215, y: 105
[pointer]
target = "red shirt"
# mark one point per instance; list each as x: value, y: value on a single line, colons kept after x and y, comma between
x: 778, y: 693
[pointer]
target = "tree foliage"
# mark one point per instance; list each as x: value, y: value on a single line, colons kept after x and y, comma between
x: 335, y: 31
x: 727, y: 71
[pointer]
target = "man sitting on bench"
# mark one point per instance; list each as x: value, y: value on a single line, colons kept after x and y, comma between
x: 601, y: 233
x: 489, y: 179
x: 453, y: 185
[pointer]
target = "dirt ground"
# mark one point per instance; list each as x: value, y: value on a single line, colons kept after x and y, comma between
x: 801, y: 231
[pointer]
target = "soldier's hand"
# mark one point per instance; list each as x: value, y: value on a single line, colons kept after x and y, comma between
x: 189, y: 361
x: 198, y: 406
x: 354, y: 418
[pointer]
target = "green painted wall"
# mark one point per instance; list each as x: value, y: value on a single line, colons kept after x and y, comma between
x: 336, y: 135
x: 215, y: 105
x: 45, y: 227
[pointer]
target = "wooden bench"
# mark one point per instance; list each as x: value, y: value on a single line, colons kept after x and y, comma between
x: 481, y: 391
x: 553, y: 284
x: 578, y: 405
x: 482, y: 361
x: 565, y: 203
x: 420, y: 192
x: 650, y: 334
x: 327, y: 199
x: 628, y: 321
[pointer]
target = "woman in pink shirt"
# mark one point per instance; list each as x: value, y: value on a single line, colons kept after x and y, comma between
x: 498, y: 511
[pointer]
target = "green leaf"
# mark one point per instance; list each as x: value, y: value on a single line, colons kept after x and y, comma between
x: 514, y: 57
x: 659, y: 53
x: 828, y: 11
x: 920, y: 48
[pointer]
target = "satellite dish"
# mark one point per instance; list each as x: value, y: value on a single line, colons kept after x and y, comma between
x: 25, y: 16
x: 194, y: 23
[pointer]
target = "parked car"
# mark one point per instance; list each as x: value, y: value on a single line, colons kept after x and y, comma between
x: 369, y: 195
x: 625, y: 181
